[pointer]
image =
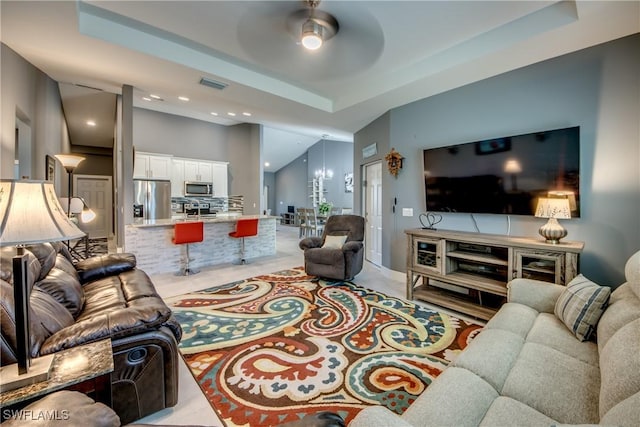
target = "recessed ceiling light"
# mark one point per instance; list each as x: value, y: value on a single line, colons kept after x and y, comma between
x: 91, y: 123
x: 231, y: 114
x: 246, y: 114
x: 154, y: 96
x: 146, y: 98
x: 267, y: 164
x: 183, y: 98
x: 213, y: 113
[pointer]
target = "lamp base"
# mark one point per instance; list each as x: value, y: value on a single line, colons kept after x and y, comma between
x: 38, y: 372
x: 552, y: 231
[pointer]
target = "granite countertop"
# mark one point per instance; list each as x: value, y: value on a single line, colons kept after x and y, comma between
x: 207, y: 219
x: 69, y: 367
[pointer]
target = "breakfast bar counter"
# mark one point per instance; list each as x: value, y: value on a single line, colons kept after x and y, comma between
x: 150, y: 242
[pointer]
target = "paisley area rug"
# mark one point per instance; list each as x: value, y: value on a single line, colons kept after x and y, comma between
x: 271, y: 349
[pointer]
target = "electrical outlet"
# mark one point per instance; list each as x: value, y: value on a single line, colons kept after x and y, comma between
x: 407, y: 211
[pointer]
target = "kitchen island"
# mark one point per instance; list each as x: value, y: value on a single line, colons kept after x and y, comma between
x: 150, y: 242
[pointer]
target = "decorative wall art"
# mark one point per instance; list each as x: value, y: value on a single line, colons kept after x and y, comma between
x: 348, y: 182
x: 50, y: 168
x: 394, y: 162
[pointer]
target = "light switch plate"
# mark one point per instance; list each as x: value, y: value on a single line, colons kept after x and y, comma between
x: 407, y: 211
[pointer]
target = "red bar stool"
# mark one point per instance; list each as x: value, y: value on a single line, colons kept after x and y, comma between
x: 185, y: 233
x: 244, y: 228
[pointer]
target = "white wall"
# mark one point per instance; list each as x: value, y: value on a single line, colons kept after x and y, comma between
x: 597, y: 89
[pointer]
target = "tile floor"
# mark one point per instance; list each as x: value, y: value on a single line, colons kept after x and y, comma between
x: 192, y: 407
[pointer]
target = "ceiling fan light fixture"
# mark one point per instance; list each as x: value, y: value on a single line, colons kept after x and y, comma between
x: 312, y: 34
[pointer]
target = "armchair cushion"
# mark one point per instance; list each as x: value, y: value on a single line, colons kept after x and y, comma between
x: 334, y: 242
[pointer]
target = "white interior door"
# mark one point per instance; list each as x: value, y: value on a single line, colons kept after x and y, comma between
x: 96, y: 190
x: 373, y: 212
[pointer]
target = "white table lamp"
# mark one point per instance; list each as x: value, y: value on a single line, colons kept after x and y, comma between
x: 29, y: 213
x: 554, y: 209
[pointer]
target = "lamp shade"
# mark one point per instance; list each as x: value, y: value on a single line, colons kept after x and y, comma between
x: 30, y: 213
x: 512, y: 166
x: 69, y: 161
x: 553, y: 208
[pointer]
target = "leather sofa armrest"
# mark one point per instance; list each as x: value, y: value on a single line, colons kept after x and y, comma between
x: 540, y: 296
x: 352, y: 246
x: 98, y: 267
x: 142, y: 315
x: 310, y: 243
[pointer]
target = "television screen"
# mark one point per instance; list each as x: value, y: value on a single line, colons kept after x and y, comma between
x: 505, y: 175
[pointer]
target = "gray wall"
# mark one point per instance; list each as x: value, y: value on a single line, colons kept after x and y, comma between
x: 270, y: 182
x: 240, y: 145
x: 32, y: 96
x: 291, y: 186
x: 293, y: 180
x: 597, y: 89
x: 337, y: 156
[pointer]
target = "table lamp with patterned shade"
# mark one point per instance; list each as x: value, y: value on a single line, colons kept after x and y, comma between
x: 554, y: 209
x: 29, y: 213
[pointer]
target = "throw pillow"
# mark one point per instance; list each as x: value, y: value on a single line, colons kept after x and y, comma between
x: 580, y: 306
x: 334, y: 242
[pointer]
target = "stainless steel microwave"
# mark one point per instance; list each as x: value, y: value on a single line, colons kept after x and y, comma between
x: 193, y: 188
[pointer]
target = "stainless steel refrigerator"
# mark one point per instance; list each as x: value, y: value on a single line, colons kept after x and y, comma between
x: 152, y: 198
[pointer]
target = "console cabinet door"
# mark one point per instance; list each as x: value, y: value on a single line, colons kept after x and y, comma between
x: 539, y: 265
x: 427, y: 255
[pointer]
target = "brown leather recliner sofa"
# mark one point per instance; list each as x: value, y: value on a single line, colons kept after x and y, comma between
x: 100, y: 297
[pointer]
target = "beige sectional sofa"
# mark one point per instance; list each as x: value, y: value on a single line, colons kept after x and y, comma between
x: 526, y: 368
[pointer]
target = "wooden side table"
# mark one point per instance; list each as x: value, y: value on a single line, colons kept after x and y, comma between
x: 86, y: 368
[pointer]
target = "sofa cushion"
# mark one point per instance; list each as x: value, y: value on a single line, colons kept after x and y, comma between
x: 507, y: 411
x: 513, y: 317
x: 624, y: 414
x: 555, y: 384
x: 581, y: 305
x: 491, y: 355
x: 97, y: 267
x: 550, y: 331
x: 541, y: 296
x: 47, y: 254
x: 6, y: 266
x: 457, y: 397
x: 46, y: 317
x: 64, y: 288
x: 623, y: 308
x: 620, y: 367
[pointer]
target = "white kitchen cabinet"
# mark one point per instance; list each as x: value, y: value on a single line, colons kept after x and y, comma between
x: 198, y: 170
x: 177, y: 177
x: 219, y: 179
x: 149, y: 165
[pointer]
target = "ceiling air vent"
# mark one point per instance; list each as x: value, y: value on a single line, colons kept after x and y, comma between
x: 212, y: 83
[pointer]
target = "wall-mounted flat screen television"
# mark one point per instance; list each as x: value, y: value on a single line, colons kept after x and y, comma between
x: 504, y: 175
